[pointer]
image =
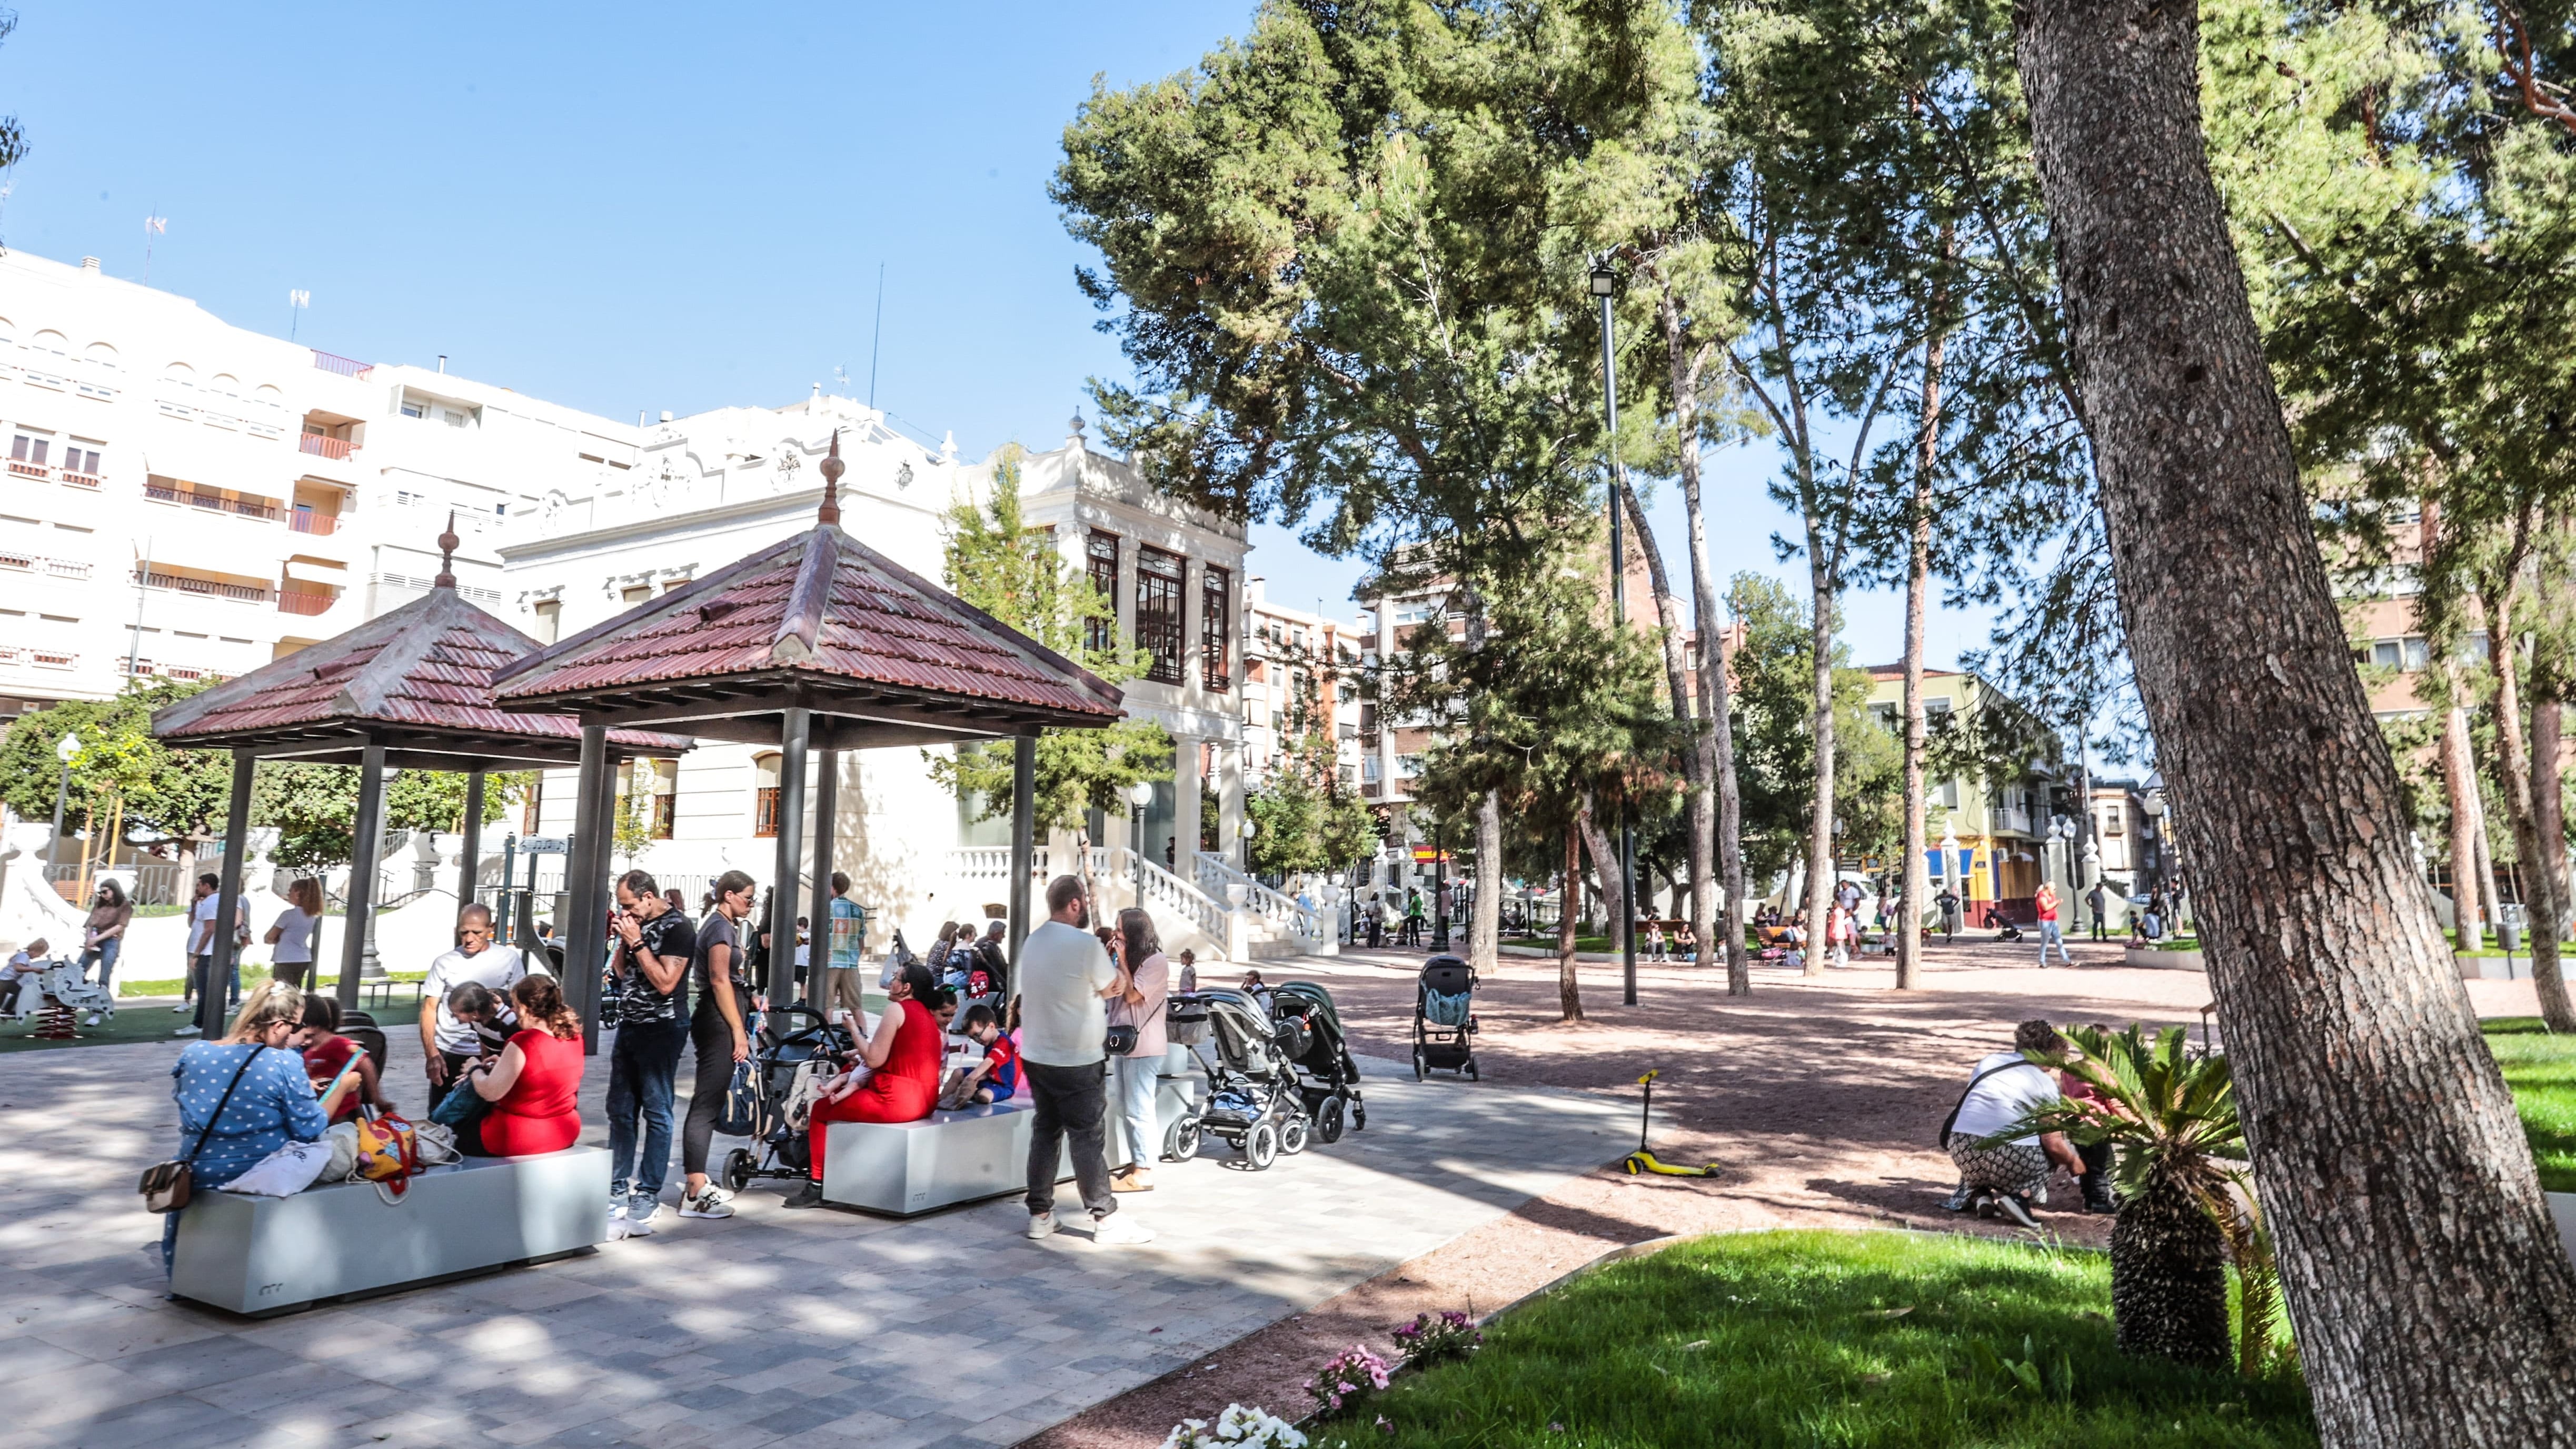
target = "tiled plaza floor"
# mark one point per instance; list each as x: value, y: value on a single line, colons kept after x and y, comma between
x: 772, y: 1328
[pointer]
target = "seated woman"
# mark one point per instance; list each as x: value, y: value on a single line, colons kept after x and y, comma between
x: 534, y: 1084
x: 243, y: 1097
x: 2010, y: 1176
x: 903, y: 1058
x: 326, y: 1052
x: 1685, y: 945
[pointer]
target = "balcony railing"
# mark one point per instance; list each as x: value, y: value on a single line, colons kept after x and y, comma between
x: 305, y: 603
x: 209, y: 588
x: 320, y: 446
x: 213, y: 502
x: 306, y: 520
x: 19, y: 469
x: 81, y: 480
x: 345, y: 366
x: 36, y: 563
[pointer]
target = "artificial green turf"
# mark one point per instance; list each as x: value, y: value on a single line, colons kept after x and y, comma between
x: 2541, y: 1070
x: 1853, y: 1340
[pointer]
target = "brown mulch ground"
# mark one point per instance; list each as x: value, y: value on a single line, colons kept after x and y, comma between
x: 1819, y: 1097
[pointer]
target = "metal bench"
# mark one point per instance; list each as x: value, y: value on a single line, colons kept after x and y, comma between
x: 906, y: 1169
x: 264, y: 1255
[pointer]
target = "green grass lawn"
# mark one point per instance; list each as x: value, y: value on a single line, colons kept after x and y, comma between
x: 1858, y: 1340
x: 2541, y: 1069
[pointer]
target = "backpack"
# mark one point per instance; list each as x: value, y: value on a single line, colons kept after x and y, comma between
x: 741, y: 1103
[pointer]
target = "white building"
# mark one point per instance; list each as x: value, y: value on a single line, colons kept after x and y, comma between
x: 1297, y: 661
x: 190, y: 498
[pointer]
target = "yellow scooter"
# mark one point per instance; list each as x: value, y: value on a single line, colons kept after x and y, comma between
x: 1642, y: 1160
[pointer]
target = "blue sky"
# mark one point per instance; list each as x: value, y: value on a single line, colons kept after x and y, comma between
x: 648, y: 207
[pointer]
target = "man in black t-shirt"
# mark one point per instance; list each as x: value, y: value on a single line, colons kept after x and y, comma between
x: 653, y: 946
x: 720, y: 1032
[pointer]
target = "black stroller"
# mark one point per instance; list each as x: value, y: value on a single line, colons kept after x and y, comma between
x: 1327, y: 1077
x: 1253, y: 1100
x: 1444, y: 1018
x: 789, y: 1038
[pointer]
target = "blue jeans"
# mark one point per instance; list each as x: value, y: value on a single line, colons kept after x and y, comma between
x: 2049, y: 936
x: 1132, y: 1117
x: 643, y: 1065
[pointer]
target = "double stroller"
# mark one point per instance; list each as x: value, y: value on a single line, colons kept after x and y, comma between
x: 1444, y: 1018
x: 793, y: 1040
x: 1279, y: 1075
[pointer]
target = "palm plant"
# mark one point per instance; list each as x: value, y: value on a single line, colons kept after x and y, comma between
x: 2185, y: 1205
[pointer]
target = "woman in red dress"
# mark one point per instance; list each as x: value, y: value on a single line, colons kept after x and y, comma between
x: 534, y: 1085
x: 902, y: 1083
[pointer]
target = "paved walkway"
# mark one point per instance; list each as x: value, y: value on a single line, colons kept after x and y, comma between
x: 807, y: 1329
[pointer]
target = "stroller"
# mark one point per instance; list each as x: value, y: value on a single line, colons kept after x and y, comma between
x: 1327, y: 1077
x: 1444, y: 1017
x: 1253, y: 1100
x: 789, y: 1039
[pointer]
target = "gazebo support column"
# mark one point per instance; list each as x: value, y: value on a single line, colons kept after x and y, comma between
x: 357, y: 927
x: 470, y: 868
x: 1024, y: 838
x: 827, y: 819
x: 220, y: 950
x: 585, y: 878
x: 795, y: 731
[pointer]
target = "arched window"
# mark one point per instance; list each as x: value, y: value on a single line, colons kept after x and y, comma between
x: 764, y: 796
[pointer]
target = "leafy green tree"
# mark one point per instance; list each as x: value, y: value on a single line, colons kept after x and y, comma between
x: 1304, y: 817
x: 1776, y: 746
x: 995, y: 562
x: 314, y: 808
x: 167, y: 795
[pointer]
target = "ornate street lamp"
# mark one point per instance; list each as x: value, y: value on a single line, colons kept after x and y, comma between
x: 1603, y: 285
x: 66, y: 749
x: 1139, y: 795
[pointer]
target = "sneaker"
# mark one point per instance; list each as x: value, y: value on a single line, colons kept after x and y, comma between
x: 1041, y: 1225
x: 182, y: 1009
x: 808, y: 1196
x: 2012, y: 1207
x: 640, y: 1209
x: 710, y: 1201
x: 190, y: 1030
x: 1119, y: 1231
x: 1961, y: 1200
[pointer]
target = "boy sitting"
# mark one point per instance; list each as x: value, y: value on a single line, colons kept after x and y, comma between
x: 997, y: 1077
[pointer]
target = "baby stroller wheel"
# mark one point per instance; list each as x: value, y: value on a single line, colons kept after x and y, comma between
x: 1417, y: 1061
x: 1328, y: 1121
x: 1359, y: 1117
x: 1261, y: 1146
x: 1293, y: 1134
x: 1471, y: 1070
x: 737, y: 1169
x: 1182, y: 1142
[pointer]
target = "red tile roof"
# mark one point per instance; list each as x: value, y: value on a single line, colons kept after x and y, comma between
x: 424, y: 669
x: 820, y: 607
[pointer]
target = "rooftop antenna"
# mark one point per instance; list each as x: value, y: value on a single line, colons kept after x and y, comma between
x: 153, y: 225
x: 297, y: 299
x: 830, y: 513
x: 446, y: 555
x: 876, y: 336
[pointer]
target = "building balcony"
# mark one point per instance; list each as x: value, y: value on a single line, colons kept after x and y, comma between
x: 171, y: 490
x: 14, y: 561
x: 343, y: 366
x: 17, y: 656
x: 322, y: 447
x: 19, y: 468
x: 90, y: 481
x: 306, y: 520
x: 295, y: 602
x: 153, y: 578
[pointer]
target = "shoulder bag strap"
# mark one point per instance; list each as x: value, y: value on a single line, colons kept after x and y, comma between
x: 225, y: 1101
x: 1953, y: 1119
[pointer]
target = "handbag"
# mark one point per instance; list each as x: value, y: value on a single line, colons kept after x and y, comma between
x: 166, y: 1185
x: 1121, y: 1040
x: 388, y: 1151
x: 740, y: 1111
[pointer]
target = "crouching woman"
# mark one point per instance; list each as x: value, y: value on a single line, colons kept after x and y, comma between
x: 534, y: 1083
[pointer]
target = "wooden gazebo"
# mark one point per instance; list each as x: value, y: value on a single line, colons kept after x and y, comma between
x: 408, y: 689
x: 817, y: 643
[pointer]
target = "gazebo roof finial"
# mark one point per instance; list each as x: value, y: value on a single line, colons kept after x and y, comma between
x: 830, y: 512
x: 447, y: 555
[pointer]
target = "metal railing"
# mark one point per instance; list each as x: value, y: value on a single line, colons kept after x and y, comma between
x: 20, y: 469
x: 313, y: 521
x: 80, y: 480
x: 210, y: 588
x: 325, y: 447
x: 344, y: 366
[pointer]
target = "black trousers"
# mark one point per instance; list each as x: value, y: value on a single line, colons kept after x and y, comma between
x: 712, y: 1040
x: 2096, y: 1157
x: 1070, y: 1102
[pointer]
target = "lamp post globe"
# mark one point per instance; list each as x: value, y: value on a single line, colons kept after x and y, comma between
x: 1139, y: 795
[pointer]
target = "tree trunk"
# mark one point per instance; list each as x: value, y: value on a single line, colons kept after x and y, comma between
x: 2433, y: 1302
x: 2486, y: 867
x: 1569, y: 992
x: 2549, y: 838
x: 2468, y: 821
x: 1485, y: 927
x: 1695, y: 765
x: 1914, y: 883
x: 1820, y: 839
x: 1714, y: 806
x: 2169, y: 1277
x: 2539, y: 903
x: 1605, y: 867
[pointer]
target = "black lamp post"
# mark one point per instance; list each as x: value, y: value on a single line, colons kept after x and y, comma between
x: 1604, y: 285
x: 1439, y: 886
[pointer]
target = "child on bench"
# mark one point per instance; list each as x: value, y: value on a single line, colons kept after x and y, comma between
x: 997, y: 1077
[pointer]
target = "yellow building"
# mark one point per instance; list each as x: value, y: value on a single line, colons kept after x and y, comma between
x: 1991, y: 845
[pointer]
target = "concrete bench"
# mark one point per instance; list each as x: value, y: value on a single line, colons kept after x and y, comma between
x: 908, y: 1168
x: 264, y: 1255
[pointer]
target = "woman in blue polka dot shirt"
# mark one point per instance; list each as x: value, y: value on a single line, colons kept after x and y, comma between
x: 273, y: 1106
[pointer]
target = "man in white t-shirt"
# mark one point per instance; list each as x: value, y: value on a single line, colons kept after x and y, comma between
x: 2005, y: 1088
x: 1066, y: 979
x: 448, y: 1045
x: 201, y: 947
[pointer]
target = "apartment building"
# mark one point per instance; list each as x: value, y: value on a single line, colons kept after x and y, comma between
x: 187, y: 499
x: 1299, y: 669
x: 1990, y: 844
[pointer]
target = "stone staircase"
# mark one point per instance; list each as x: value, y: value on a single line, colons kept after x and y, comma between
x: 1223, y: 916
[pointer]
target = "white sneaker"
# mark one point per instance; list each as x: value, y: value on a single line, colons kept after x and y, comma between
x: 1119, y: 1230
x: 182, y: 1009
x: 1042, y: 1225
x: 710, y: 1202
x: 189, y: 1030
x: 630, y: 1226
